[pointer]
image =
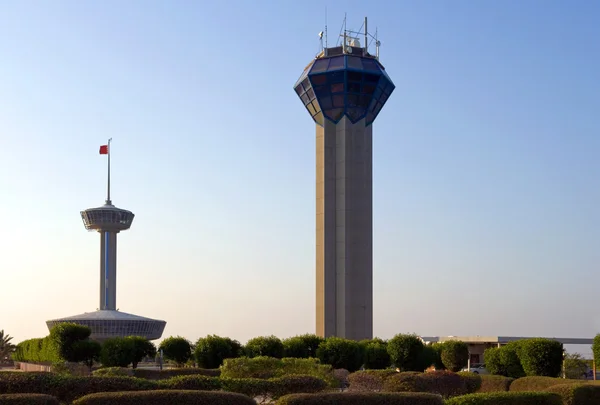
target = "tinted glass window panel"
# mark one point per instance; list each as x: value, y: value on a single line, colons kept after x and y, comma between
x: 336, y: 77
x: 320, y: 65
x: 337, y: 87
x: 321, y: 90
x: 335, y: 114
x: 353, y: 62
x: 305, y: 99
x: 352, y: 100
x: 310, y: 93
x: 368, y: 88
x: 311, y: 109
x: 299, y: 89
x: 369, y: 78
x: 370, y: 117
x: 364, y: 100
x: 370, y: 64
x: 336, y: 63
x: 318, y: 79
x: 338, y: 101
x: 305, y: 84
x: 354, y: 87
x: 355, y: 76
x: 325, y: 102
x: 316, y: 106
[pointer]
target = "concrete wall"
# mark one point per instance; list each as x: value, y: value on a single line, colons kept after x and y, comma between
x: 344, y: 230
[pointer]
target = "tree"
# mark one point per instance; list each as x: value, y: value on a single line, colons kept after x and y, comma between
x: 541, y: 357
x: 302, y: 346
x: 87, y: 351
x: 575, y: 366
x: 141, y: 347
x: 6, y: 348
x: 406, y: 352
x: 596, y: 350
x: 177, y: 349
x: 455, y: 355
x: 210, y: 351
x: 270, y: 346
x: 375, y: 352
x: 117, y: 352
x: 64, y: 336
x: 341, y: 353
x: 430, y: 356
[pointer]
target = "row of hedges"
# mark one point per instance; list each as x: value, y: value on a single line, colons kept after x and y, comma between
x: 528, y: 357
x: 269, y: 367
x: 67, y: 388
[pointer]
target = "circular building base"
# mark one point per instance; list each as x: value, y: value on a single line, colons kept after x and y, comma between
x: 107, y: 324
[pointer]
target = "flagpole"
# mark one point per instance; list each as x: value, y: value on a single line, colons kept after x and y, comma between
x: 108, y: 202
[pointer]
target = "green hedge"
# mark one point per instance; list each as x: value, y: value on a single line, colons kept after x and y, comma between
x: 27, y: 399
x: 165, y: 397
x: 360, y: 398
x: 370, y: 380
x: 270, y: 367
x: 495, y: 383
x: 173, y: 372
x: 444, y: 383
x: 38, y: 350
x: 68, y: 388
x: 472, y: 381
x: 528, y: 384
x: 577, y: 394
x: 191, y: 382
x: 507, y: 398
x: 113, y: 372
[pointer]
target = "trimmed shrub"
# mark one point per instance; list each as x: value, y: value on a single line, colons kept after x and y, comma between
x: 359, y: 398
x: 595, y: 348
x: 117, y: 352
x: 28, y: 399
x: 113, y: 372
x: 505, y: 360
x: 67, y: 388
x: 472, y: 381
x: 174, y: 372
x: 341, y: 353
x: 270, y: 346
x: 177, y: 349
x: 577, y: 394
x: 541, y: 357
x: 191, y: 382
x: 65, y: 336
x: 303, y: 346
x: 167, y: 397
x: 406, y: 352
x: 369, y: 380
x: 495, y: 383
x: 211, y: 350
x: 444, y: 383
x: 38, y: 350
x: 376, y: 356
x: 430, y: 356
x: 341, y: 377
x: 455, y: 355
x: 507, y: 398
x: 257, y: 367
x: 252, y: 387
x: 293, y: 384
x: 269, y: 367
x: 528, y: 384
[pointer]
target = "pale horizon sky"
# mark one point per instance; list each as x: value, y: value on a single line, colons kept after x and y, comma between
x: 486, y: 170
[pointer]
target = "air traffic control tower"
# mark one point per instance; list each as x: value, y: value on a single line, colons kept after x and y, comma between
x: 344, y: 89
x: 107, y: 321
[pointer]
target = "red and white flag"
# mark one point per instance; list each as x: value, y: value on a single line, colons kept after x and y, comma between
x: 104, y: 150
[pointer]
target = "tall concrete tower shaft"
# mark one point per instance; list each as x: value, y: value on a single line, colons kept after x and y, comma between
x: 108, y: 220
x: 344, y: 89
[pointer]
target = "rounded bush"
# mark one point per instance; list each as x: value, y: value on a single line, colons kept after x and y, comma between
x: 341, y: 353
x: 174, y: 372
x: 495, y: 383
x: 369, y: 380
x: 406, y: 352
x: 211, y: 350
x: 270, y: 346
x: 293, y: 384
x: 472, y: 381
x: 530, y: 384
x: 577, y: 394
x: 444, y: 383
x: 541, y: 357
x: 454, y: 355
x: 165, y: 397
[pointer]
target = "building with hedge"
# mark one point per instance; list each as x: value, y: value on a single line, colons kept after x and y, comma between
x: 478, y: 344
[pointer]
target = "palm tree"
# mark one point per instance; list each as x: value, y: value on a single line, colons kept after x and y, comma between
x: 6, y: 348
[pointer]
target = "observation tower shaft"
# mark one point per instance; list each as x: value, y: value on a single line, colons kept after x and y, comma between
x: 344, y: 89
x: 107, y: 220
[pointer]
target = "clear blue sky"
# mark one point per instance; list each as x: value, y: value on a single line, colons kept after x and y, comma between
x: 486, y: 169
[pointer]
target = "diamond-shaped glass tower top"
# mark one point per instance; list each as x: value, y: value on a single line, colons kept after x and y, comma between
x: 333, y: 86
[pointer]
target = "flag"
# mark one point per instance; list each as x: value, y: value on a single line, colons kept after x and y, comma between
x: 104, y: 150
